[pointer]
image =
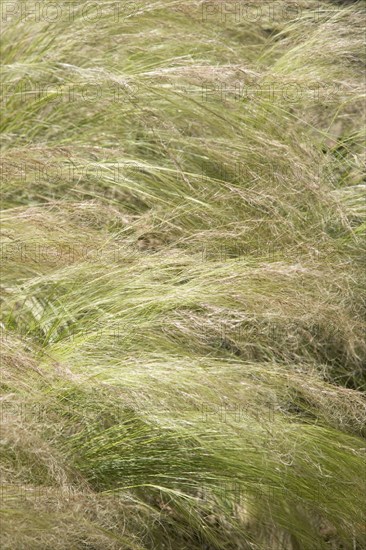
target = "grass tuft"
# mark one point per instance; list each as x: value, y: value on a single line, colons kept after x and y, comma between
x: 182, y: 284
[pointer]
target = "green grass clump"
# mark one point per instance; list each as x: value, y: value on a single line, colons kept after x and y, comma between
x: 182, y: 284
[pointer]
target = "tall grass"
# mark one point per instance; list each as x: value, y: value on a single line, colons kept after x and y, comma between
x: 182, y: 306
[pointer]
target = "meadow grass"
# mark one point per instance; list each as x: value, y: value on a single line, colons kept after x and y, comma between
x: 182, y: 284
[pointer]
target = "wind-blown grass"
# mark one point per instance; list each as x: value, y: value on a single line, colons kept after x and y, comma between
x: 182, y: 285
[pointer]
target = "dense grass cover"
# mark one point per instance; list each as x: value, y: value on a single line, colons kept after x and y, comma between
x: 182, y: 307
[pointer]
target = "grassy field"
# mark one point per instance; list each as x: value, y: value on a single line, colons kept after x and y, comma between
x: 182, y: 284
